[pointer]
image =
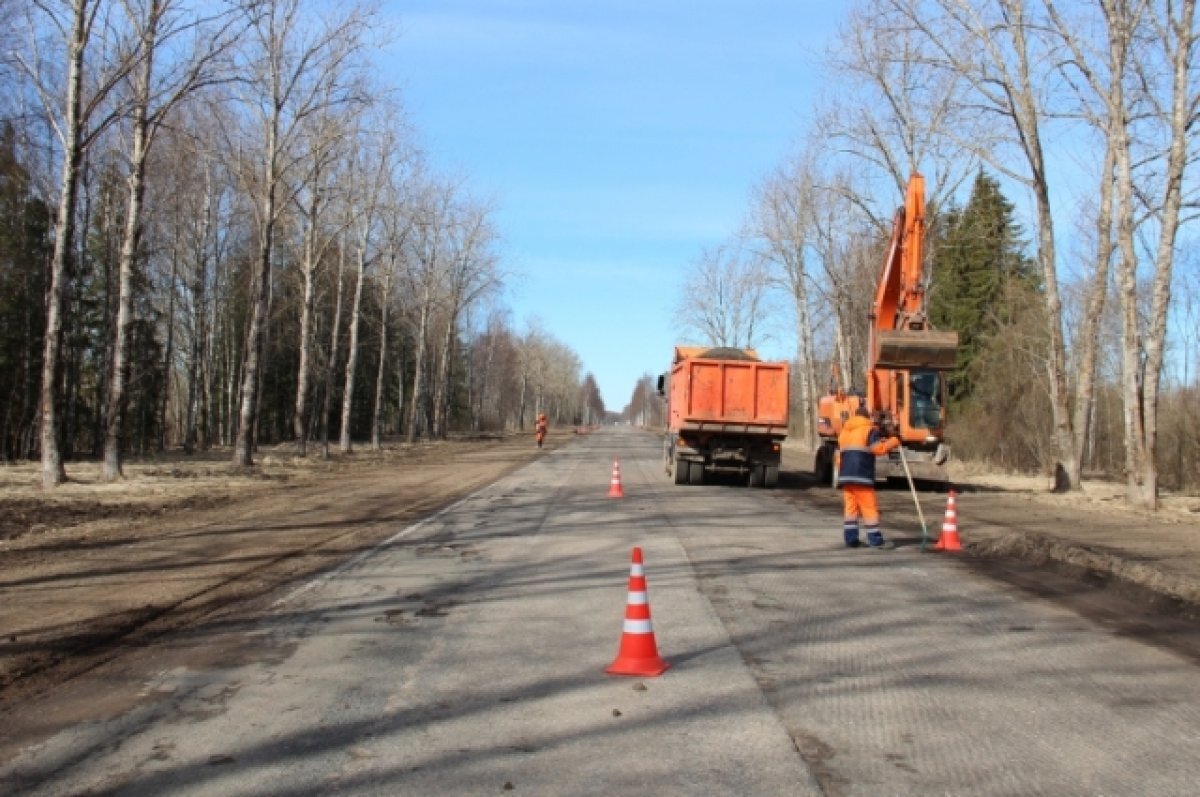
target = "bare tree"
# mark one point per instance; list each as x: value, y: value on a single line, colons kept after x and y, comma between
x: 291, y: 63
x: 894, y: 110
x: 84, y: 113
x: 1174, y: 99
x: 470, y: 273
x: 781, y: 220
x: 370, y: 173
x: 432, y: 251
x: 1004, y: 56
x: 397, y: 226
x: 723, y: 299
x: 156, y: 24
x: 322, y: 143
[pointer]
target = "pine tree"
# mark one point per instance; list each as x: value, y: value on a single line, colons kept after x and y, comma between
x: 981, y: 278
x: 25, y: 244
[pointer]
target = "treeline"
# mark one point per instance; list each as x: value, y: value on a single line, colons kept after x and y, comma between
x: 217, y: 228
x: 1077, y: 312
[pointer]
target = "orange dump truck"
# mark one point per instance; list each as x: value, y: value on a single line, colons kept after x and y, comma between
x: 727, y: 412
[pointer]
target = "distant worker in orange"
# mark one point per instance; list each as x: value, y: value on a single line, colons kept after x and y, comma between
x: 858, y: 445
x: 539, y: 428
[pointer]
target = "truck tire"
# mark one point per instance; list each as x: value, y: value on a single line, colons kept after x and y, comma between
x: 771, y: 476
x: 695, y: 473
x: 680, y: 468
x: 756, y: 476
x: 823, y: 466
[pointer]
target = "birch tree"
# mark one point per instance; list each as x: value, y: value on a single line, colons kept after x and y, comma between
x: 895, y: 111
x: 95, y: 58
x: 313, y: 198
x: 724, y: 298
x: 296, y: 66
x: 369, y: 175
x: 155, y: 90
x: 781, y: 222
x: 470, y: 273
x: 1001, y: 51
x: 1173, y: 98
x: 432, y: 213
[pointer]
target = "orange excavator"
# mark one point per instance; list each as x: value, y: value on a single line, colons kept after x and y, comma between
x: 906, y: 363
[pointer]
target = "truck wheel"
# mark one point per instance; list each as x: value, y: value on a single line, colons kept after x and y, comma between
x: 822, y: 466
x: 770, y: 476
x: 680, y: 469
x: 756, y: 476
x: 695, y: 473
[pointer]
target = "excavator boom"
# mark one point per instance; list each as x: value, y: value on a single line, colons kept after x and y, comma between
x: 901, y: 334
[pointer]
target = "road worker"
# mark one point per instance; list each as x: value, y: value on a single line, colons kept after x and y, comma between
x: 858, y: 445
x: 539, y: 428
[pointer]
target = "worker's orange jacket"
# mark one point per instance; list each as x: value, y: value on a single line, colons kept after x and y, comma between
x: 858, y: 445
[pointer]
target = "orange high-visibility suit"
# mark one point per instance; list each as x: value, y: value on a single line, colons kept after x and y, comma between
x: 539, y: 428
x: 858, y: 445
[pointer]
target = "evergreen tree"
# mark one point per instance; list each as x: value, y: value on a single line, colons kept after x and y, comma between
x: 25, y: 246
x: 981, y: 279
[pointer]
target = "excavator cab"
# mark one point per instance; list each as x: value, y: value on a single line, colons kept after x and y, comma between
x: 925, y: 392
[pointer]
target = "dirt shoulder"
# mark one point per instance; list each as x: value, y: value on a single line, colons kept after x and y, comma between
x: 92, y: 568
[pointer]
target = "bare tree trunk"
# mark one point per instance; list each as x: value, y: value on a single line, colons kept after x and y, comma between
x: 414, y: 401
x: 168, y: 358
x: 197, y: 392
x: 1141, y: 378
x: 1088, y: 339
x: 243, y: 455
x: 119, y: 376
x: 381, y: 372
x: 331, y: 364
x: 352, y: 353
x: 441, y: 394
x: 521, y: 403
x: 53, y: 472
x: 309, y: 267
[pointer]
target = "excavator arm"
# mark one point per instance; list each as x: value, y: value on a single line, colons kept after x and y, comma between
x: 900, y: 333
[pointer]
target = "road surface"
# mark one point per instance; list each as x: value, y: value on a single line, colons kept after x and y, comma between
x: 465, y: 655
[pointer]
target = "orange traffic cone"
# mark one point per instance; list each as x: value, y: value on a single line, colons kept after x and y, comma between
x: 638, y: 654
x: 948, y: 541
x: 614, y: 488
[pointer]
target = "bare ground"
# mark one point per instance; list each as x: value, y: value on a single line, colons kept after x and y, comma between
x: 92, y: 569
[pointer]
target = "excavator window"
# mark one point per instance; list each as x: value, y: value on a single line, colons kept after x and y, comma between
x: 925, y: 407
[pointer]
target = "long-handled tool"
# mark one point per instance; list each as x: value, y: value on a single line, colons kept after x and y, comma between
x: 912, y: 488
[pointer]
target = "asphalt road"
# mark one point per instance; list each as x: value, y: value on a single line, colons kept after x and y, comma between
x: 466, y: 656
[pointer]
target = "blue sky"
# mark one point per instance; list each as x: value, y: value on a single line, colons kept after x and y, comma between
x: 618, y: 140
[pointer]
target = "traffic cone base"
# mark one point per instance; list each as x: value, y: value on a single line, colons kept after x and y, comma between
x: 948, y: 540
x: 638, y: 653
x: 614, y: 486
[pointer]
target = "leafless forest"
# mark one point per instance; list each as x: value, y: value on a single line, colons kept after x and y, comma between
x: 219, y: 229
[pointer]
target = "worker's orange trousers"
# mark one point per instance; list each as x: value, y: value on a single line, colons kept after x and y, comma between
x: 858, y: 500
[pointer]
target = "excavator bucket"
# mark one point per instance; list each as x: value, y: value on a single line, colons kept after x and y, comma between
x: 919, y: 348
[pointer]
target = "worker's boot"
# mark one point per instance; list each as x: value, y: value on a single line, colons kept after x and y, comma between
x: 875, y: 539
x: 850, y: 533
